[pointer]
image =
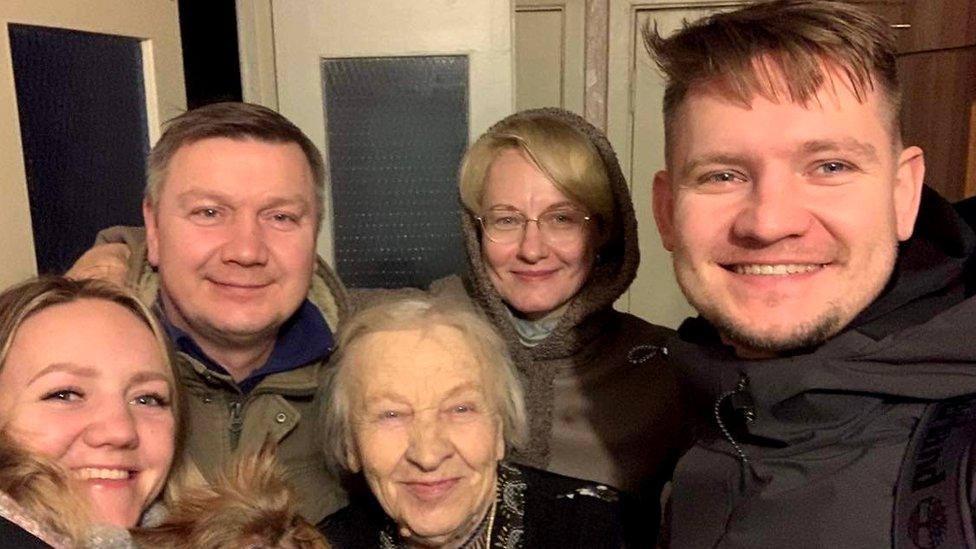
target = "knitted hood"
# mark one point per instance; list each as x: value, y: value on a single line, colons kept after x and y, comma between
x: 614, y: 270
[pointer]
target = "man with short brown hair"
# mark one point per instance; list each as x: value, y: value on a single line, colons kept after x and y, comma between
x: 232, y: 210
x: 830, y: 318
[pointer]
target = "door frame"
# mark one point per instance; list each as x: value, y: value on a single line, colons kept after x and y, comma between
x: 154, y: 22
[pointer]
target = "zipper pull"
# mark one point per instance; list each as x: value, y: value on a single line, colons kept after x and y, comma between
x: 740, y: 388
x: 236, y: 423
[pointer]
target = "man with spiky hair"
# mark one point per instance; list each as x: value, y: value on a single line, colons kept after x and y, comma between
x: 833, y: 287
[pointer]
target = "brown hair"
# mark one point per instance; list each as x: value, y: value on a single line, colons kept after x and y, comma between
x: 250, y: 505
x: 809, y: 41
x: 566, y: 156
x: 232, y: 120
x: 34, y: 482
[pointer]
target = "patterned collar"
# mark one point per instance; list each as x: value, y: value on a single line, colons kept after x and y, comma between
x: 505, y: 519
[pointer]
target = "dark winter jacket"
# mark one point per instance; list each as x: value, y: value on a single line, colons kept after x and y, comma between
x: 19, y: 529
x: 601, y: 394
x: 534, y: 510
x: 804, y: 450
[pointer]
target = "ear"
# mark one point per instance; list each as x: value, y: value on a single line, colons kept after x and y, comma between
x: 664, y: 208
x: 500, y: 441
x: 909, y: 177
x: 352, y: 458
x: 152, y: 233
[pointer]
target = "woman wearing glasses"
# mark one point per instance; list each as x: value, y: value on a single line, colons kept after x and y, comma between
x: 552, y: 242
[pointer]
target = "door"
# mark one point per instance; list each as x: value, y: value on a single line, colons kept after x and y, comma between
x: 636, y: 128
x: 437, y: 54
x: 45, y: 49
x: 549, y: 53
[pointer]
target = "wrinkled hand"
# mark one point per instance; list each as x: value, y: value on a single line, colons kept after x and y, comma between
x: 104, y: 261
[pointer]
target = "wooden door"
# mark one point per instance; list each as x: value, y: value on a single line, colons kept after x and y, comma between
x: 549, y: 52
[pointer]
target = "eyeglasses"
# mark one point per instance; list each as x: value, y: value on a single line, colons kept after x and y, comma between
x: 556, y: 227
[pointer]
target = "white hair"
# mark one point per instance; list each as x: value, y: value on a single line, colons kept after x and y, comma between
x: 402, y: 313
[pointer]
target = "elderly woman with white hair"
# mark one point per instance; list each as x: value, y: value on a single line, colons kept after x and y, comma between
x: 424, y: 402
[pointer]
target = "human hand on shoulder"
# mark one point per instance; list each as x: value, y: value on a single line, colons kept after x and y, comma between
x: 106, y: 262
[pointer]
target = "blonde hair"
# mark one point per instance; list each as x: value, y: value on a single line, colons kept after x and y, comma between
x: 566, y: 156
x: 48, y: 497
x: 41, y: 487
x: 808, y: 41
x: 420, y: 312
x: 250, y: 505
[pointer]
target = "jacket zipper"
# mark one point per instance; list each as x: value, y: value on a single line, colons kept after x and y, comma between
x: 236, y: 423
x: 748, y: 414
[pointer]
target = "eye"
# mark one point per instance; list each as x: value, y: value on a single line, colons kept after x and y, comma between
x: 66, y: 395
x: 464, y: 410
x: 506, y: 221
x: 723, y: 177
x: 284, y: 219
x: 390, y: 415
x: 151, y: 399
x: 833, y: 167
x: 563, y: 219
x: 206, y: 215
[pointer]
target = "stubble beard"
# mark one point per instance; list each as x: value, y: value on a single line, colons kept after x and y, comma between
x: 751, y: 341
x: 803, y: 336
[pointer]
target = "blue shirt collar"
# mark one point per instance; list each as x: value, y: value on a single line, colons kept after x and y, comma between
x: 304, y: 338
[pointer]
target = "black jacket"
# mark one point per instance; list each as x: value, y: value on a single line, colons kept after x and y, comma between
x: 556, y: 512
x: 14, y: 535
x: 815, y: 440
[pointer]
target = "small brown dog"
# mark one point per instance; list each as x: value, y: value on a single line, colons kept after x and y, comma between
x: 250, y: 506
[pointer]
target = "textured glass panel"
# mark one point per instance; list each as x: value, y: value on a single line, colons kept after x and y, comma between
x: 82, y: 110
x: 397, y: 128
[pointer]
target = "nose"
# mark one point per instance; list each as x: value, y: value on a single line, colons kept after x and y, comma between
x: 112, y: 424
x: 245, y: 244
x: 430, y: 445
x: 532, y: 248
x: 772, y: 210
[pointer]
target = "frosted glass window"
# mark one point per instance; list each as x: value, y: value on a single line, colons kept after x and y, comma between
x: 81, y: 102
x: 397, y: 128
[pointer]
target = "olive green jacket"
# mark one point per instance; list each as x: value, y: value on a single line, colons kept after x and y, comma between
x: 223, y: 422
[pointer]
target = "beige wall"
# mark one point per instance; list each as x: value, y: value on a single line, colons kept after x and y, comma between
x: 154, y: 21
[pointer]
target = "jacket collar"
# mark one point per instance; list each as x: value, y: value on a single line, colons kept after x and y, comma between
x: 910, y: 343
x: 303, y: 339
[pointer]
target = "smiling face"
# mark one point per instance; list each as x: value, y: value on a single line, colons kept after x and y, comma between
x: 85, y: 383
x: 532, y: 275
x: 424, y: 432
x: 784, y: 220
x: 233, y: 236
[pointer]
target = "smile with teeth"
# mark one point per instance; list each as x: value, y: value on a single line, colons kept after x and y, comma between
x: 90, y: 473
x: 784, y: 269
